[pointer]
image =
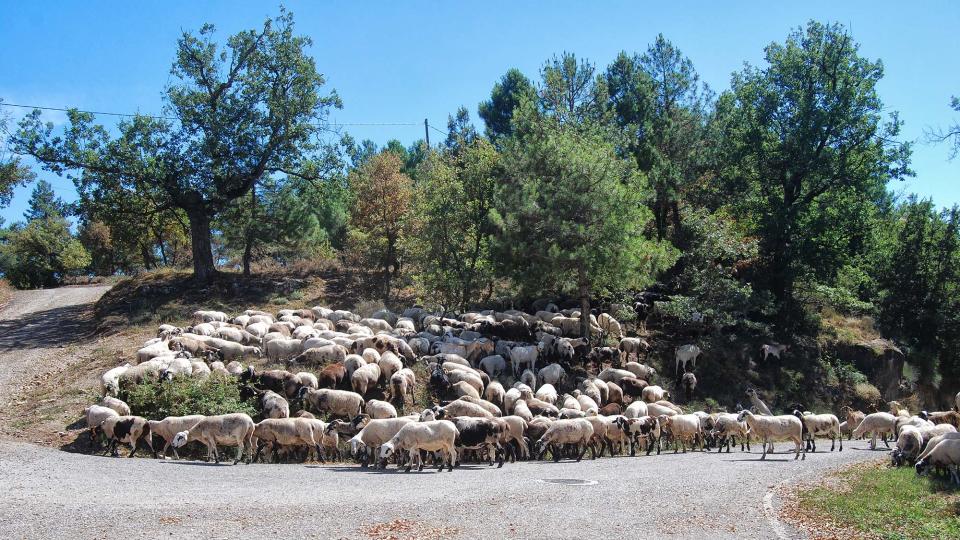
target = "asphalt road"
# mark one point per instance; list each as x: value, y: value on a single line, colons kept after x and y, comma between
x: 50, y: 493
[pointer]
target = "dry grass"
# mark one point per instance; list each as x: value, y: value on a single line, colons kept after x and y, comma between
x: 848, y: 329
x: 6, y: 291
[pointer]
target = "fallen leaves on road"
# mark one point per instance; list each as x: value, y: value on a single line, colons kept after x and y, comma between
x: 405, y: 529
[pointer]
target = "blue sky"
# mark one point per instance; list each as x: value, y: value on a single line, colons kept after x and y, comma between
x: 406, y: 61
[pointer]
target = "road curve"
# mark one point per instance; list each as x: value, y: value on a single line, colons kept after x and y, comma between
x: 51, y: 493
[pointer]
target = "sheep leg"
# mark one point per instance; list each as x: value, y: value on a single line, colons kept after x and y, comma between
x: 554, y: 453
x: 833, y: 442
x: 764, y: 456
x: 841, y: 441
x: 133, y: 448
x: 320, y: 455
x: 582, y: 452
x: 239, y: 455
x: 260, y: 446
x: 453, y: 458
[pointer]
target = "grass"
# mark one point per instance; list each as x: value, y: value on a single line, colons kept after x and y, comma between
x: 884, y: 502
x: 6, y: 291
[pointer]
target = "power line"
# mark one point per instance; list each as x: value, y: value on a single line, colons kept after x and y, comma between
x: 104, y: 113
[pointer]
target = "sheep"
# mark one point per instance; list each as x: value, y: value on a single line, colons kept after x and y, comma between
x: 590, y: 387
x: 389, y: 364
x: 210, y: 316
x: 652, y: 394
x: 609, y: 326
x: 272, y: 404
x: 726, y: 427
x: 365, y: 379
x: 380, y: 409
x: 370, y: 356
x: 853, y: 419
x: 760, y: 406
x: 521, y: 409
x: 946, y: 454
x: 322, y: 355
x: 341, y: 403
x: 689, y: 384
x: 235, y: 429
x: 774, y: 350
x: 353, y: 362
x: 402, y: 384
x: 914, y: 421
x: 821, y: 424
x: 634, y: 346
x: 547, y: 393
x: 910, y: 443
x: 127, y: 429
x: 946, y: 417
x: 288, y: 432
x: 686, y: 354
x: 367, y: 441
x: 876, y: 423
x: 587, y: 404
x: 200, y: 370
x: 432, y: 436
x: 195, y: 347
x: 95, y: 416
x: 772, y: 428
x: 682, y: 428
x: 167, y: 330
x: 521, y: 356
x: 493, y: 365
x: 614, y: 375
x: 169, y: 427
x: 935, y: 440
x: 479, y: 434
x: 283, y: 349
x: 110, y: 381
x: 151, y: 351
x: 636, y: 409
x: 632, y: 386
x: 117, y: 405
x: 640, y: 371
x: 529, y: 378
x: 552, y: 374
x: 510, y: 397
x: 494, y: 393
x: 460, y: 407
x: 331, y: 376
x: 514, y: 428
x: 490, y: 407
x: 237, y: 335
x: 576, y: 431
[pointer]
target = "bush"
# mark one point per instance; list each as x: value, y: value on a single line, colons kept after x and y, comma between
x: 185, y: 395
x: 867, y: 393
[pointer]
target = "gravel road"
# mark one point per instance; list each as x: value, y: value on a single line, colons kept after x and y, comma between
x: 51, y: 493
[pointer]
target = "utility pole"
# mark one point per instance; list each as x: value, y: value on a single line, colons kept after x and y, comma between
x: 426, y: 131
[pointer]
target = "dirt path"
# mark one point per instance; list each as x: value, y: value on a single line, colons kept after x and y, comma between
x: 35, y: 325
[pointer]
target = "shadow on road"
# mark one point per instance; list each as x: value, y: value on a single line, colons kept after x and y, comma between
x: 49, y: 328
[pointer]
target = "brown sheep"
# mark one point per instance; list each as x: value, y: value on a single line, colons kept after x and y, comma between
x: 633, y: 386
x: 332, y: 376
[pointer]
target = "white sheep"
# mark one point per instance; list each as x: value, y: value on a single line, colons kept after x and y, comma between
x: 687, y: 354
x: 493, y: 365
x: 335, y: 402
x: 432, y: 436
x: 283, y: 349
x: 523, y: 356
x: 878, y: 423
x: 235, y: 429
x: 551, y: 374
x: 169, y: 427
x: 773, y: 428
x: 116, y: 404
x: 654, y: 393
x: 576, y: 431
x: 637, y: 409
x: 547, y: 393
x: 632, y: 346
x: 110, y: 381
x: 379, y: 410
x: 366, y: 443
x: 683, y: 428
x: 822, y: 424
x: 945, y: 454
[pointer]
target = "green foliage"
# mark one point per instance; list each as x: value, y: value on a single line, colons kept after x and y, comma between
x: 44, y: 203
x: 186, y: 395
x: 803, y: 143
x: 453, y: 202
x: 41, y: 253
x: 497, y: 113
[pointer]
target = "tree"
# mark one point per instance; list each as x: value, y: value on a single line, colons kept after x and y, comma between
x: 460, y: 131
x: 568, y: 93
x: 234, y: 114
x: 497, y: 112
x: 380, y: 214
x: 951, y: 134
x: 44, y: 203
x: 13, y: 172
x: 41, y: 253
x: 455, y: 193
x: 804, y: 129
x: 570, y: 213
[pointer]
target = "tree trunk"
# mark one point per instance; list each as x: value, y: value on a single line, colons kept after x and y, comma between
x: 584, y: 288
x: 249, y: 237
x: 201, y: 247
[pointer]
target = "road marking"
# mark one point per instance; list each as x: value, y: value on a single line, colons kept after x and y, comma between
x: 771, y: 513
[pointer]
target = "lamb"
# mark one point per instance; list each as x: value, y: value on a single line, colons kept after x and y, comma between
x: 945, y: 454
x: 523, y: 356
x: 576, y: 431
x: 687, y: 354
x: 773, y: 428
x: 365, y: 379
x: 169, y: 427
x: 634, y: 346
x: 727, y: 428
x: 235, y: 429
x: 288, y: 432
x: 340, y: 403
x: 432, y: 436
x: 876, y: 423
x: 367, y: 442
x: 821, y: 424
x: 380, y: 409
x: 402, y: 384
x: 117, y: 405
x: 652, y: 394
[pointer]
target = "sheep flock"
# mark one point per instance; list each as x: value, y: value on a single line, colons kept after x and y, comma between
x: 502, y: 386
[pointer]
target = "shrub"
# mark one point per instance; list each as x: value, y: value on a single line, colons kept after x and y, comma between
x: 867, y: 392
x: 185, y: 395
